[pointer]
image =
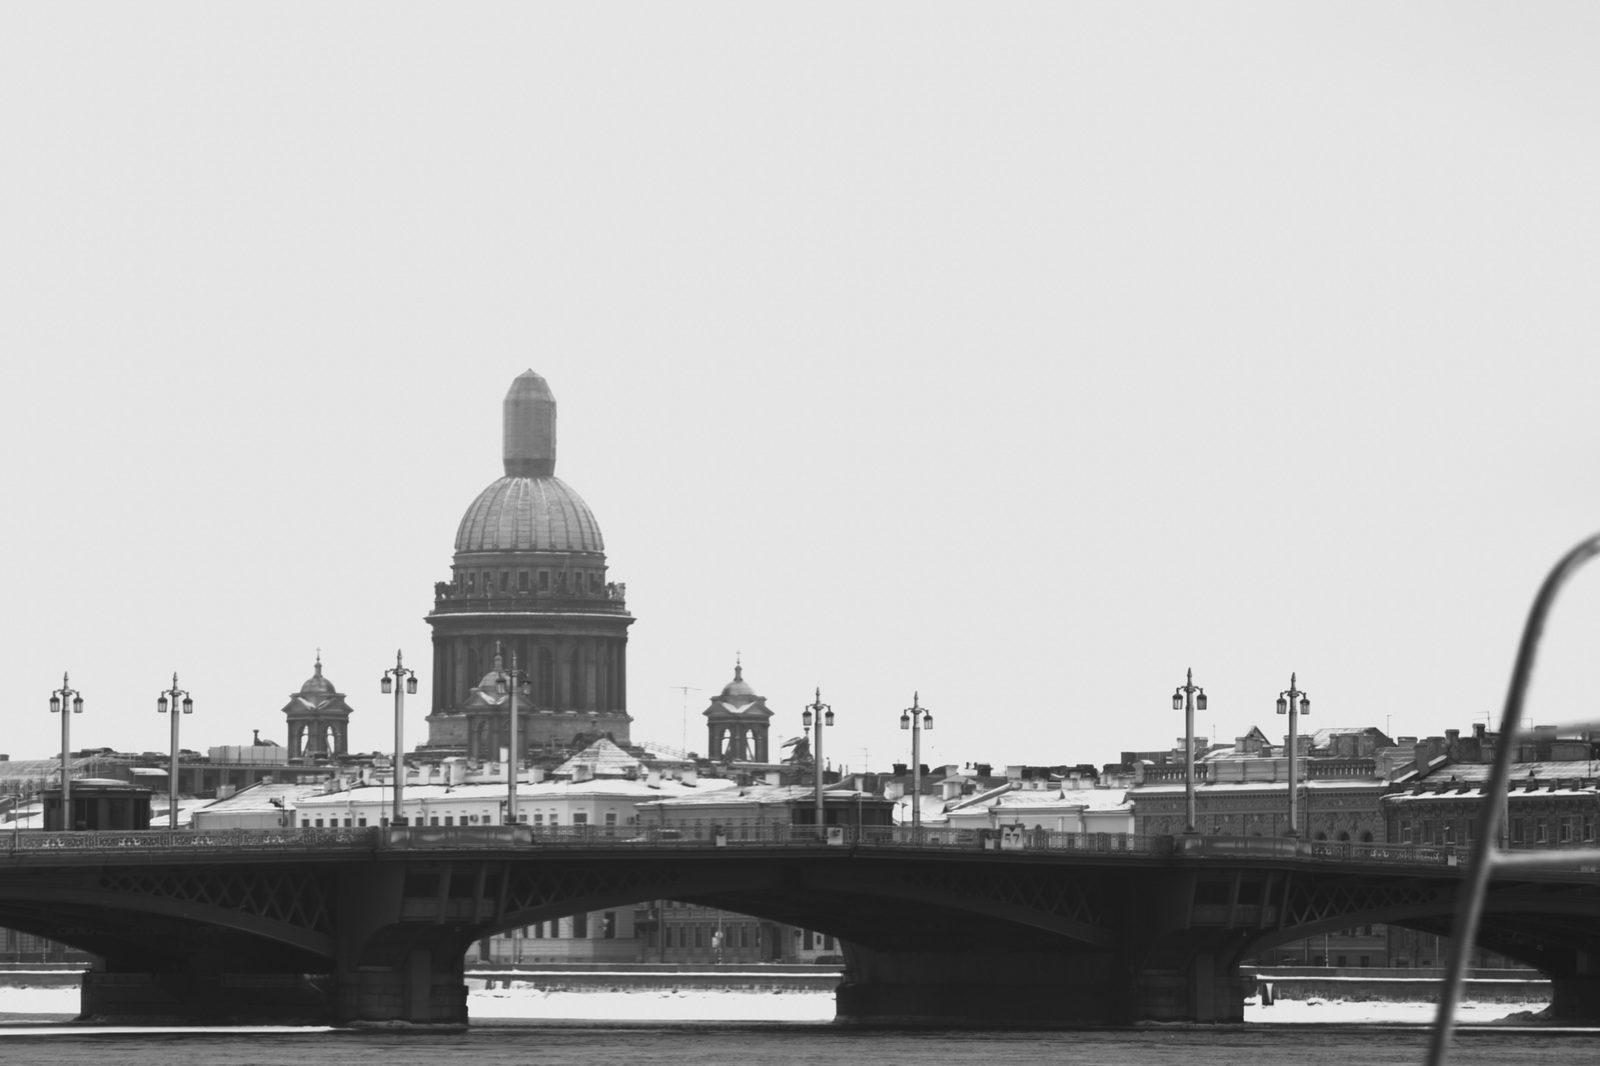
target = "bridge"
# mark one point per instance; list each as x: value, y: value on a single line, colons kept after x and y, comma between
x: 940, y: 926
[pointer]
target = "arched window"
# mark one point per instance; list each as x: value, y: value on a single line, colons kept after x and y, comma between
x: 1344, y: 838
x: 1366, y: 837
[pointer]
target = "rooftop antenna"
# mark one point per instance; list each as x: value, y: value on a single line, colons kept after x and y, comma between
x: 683, y: 741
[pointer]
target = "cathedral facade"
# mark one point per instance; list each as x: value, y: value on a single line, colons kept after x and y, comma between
x: 529, y: 603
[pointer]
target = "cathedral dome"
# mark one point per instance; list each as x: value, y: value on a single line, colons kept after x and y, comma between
x: 541, y: 514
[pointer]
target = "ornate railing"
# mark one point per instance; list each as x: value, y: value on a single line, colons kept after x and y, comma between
x: 239, y: 840
x: 609, y: 597
x: 1156, y: 775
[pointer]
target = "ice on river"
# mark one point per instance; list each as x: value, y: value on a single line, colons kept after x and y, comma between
x: 525, y: 1002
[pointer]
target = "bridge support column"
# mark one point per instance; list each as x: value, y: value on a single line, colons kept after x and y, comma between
x: 1576, y: 997
x: 1201, y: 991
x: 428, y: 988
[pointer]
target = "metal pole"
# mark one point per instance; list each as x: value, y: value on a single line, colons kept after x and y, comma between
x: 180, y: 700
x: 66, y: 756
x: 1475, y: 883
x: 1294, y: 694
x: 172, y: 782
x: 824, y: 716
x: 1187, y: 691
x: 398, y: 815
x: 916, y: 770
x: 512, y: 757
x: 1188, y: 754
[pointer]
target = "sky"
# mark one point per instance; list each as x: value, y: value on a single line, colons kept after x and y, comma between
x: 1016, y: 356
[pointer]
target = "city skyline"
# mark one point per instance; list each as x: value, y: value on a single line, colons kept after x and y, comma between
x: 1024, y: 365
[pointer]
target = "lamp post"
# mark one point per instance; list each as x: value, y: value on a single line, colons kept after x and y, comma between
x: 1189, y: 698
x: 1287, y: 705
x: 916, y: 718
x: 179, y: 698
x: 513, y: 679
x: 66, y: 701
x: 822, y: 713
x: 408, y: 678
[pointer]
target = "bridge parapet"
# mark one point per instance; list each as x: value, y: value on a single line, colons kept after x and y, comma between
x: 34, y: 847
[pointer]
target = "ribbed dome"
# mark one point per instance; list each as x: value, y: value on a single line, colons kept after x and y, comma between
x: 738, y: 688
x: 529, y: 514
x: 316, y: 684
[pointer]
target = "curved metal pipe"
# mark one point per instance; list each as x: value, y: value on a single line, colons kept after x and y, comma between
x: 1476, y: 882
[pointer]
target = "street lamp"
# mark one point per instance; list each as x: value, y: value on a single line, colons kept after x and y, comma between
x: 66, y: 702
x: 1189, y: 698
x: 399, y: 673
x: 823, y: 714
x: 176, y: 694
x: 1287, y: 705
x: 916, y: 718
x: 513, y: 679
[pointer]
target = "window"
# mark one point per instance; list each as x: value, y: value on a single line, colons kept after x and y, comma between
x: 580, y: 925
x: 505, y: 581
x: 538, y: 930
x: 561, y: 580
x: 580, y: 818
x: 1566, y: 829
x: 1516, y: 830
x: 1342, y: 961
x: 1405, y: 832
x: 1543, y: 830
x: 488, y: 582
x: 347, y: 823
x: 1588, y: 827
x: 361, y: 820
x: 544, y: 581
x: 433, y: 819
x: 522, y: 583
x: 611, y: 822
x: 538, y: 819
x: 472, y: 582
x: 744, y: 936
x: 1366, y: 960
x: 608, y: 925
x: 319, y: 823
x: 449, y: 819
x: 699, y: 936
x: 305, y: 823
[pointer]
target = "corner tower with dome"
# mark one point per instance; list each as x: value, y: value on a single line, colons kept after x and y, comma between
x: 528, y: 581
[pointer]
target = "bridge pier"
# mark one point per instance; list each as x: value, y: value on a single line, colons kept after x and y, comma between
x: 1000, y: 988
x: 428, y: 988
x: 1575, y: 997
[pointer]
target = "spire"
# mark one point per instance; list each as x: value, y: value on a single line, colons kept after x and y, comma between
x: 530, y: 428
x: 318, y: 668
x: 738, y: 667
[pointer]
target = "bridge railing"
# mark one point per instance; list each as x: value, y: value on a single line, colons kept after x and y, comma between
x: 166, y: 840
x: 22, y: 845
x: 1330, y: 850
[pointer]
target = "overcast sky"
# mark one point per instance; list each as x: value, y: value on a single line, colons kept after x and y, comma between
x: 1020, y: 355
